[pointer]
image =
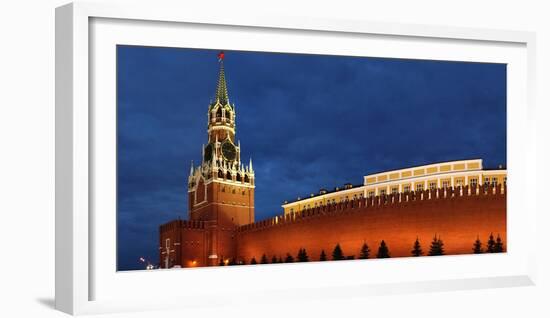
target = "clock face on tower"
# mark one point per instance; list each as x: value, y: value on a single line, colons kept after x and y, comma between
x: 229, y: 151
x: 208, y: 152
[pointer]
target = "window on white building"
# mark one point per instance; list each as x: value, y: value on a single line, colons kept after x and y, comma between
x: 383, y: 192
x: 371, y: 194
x: 394, y: 190
x: 407, y: 188
x: 473, y: 182
x: 420, y: 187
x: 433, y: 185
x: 445, y: 184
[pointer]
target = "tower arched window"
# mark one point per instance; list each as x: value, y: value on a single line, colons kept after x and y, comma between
x: 238, y: 177
x: 219, y: 113
x: 220, y: 174
x: 228, y: 175
x: 246, y: 179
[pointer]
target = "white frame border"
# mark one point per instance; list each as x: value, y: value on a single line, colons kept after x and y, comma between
x: 72, y: 139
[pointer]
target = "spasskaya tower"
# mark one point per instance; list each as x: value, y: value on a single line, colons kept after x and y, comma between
x: 221, y: 188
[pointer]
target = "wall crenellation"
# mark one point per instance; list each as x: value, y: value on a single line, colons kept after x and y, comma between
x: 365, y: 204
x: 182, y: 224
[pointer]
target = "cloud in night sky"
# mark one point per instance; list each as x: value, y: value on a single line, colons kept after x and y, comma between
x: 307, y: 121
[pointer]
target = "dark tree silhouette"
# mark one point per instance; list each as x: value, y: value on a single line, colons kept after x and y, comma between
x: 491, y: 244
x: 499, y: 247
x: 337, y: 254
x: 302, y: 255
x: 232, y: 262
x: 280, y: 260
x: 289, y: 258
x: 365, y: 251
x: 263, y: 260
x: 417, y: 249
x: 323, y: 256
x: 253, y: 261
x: 436, y: 248
x: 477, y: 246
x: 274, y: 259
x: 383, y: 251
x: 221, y: 262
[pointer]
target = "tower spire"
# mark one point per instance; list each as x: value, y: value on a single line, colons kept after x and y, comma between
x: 221, y: 92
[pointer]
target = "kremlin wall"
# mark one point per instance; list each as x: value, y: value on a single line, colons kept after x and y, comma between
x: 457, y: 216
x: 457, y: 201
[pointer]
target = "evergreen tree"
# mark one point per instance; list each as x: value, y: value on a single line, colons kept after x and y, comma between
x: 323, y: 256
x: 337, y: 254
x: 365, y: 251
x: 491, y: 244
x: 232, y: 262
x: 499, y: 247
x: 302, y: 255
x: 383, y: 251
x: 263, y: 260
x: 436, y: 248
x: 477, y: 246
x: 274, y: 259
x: 253, y: 261
x: 280, y: 260
x: 221, y: 262
x: 289, y: 258
x: 417, y: 249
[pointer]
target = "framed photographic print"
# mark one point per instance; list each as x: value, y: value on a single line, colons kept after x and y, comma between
x: 205, y: 156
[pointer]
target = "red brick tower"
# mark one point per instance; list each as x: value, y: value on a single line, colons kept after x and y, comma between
x: 221, y: 188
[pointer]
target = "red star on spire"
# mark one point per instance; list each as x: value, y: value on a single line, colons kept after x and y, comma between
x: 221, y: 56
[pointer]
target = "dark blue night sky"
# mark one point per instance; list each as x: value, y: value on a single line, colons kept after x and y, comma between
x: 307, y: 121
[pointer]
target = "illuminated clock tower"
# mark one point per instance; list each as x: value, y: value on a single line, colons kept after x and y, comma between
x: 221, y: 188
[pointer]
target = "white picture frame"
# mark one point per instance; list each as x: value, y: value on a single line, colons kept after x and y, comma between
x: 83, y: 38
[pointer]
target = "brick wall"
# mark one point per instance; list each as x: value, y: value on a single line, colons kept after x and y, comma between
x: 456, y: 216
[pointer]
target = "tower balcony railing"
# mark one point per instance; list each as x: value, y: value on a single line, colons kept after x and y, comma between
x: 223, y: 120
